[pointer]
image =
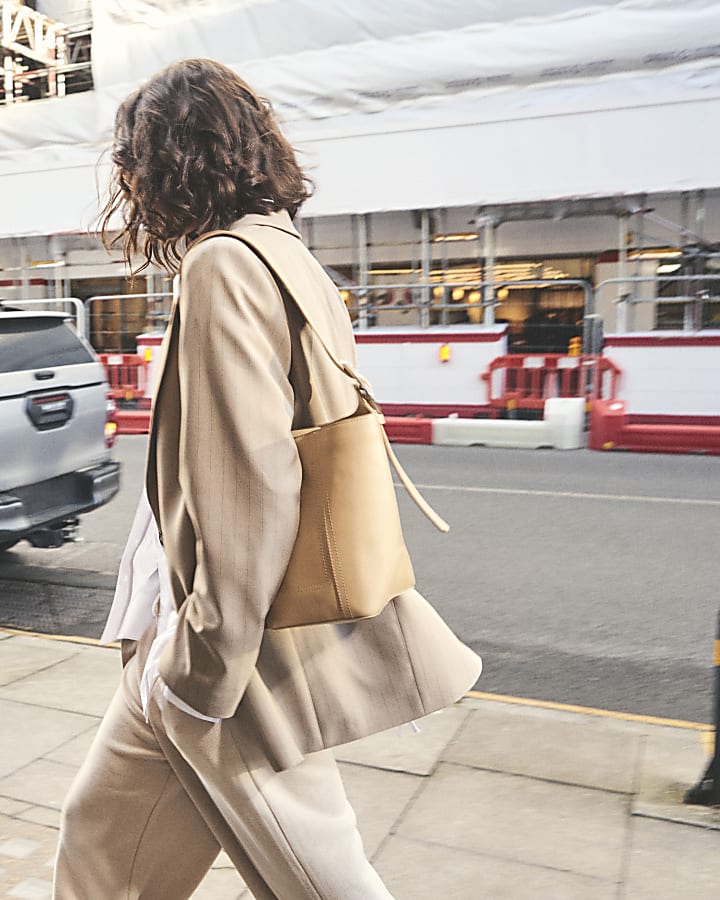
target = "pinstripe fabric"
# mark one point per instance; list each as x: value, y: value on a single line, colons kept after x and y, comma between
x: 223, y: 479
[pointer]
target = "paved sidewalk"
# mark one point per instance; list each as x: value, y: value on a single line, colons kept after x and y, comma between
x: 491, y: 799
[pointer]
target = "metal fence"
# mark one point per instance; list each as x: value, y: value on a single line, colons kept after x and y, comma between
x: 551, y: 311
x: 693, y: 305
x: 113, y: 321
x: 541, y: 315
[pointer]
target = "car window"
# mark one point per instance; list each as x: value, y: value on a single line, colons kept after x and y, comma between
x: 38, y: 343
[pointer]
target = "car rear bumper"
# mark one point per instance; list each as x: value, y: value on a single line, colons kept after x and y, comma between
x: 49, y: 503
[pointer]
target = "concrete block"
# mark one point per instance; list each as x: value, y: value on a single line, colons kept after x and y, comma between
x: 565, y: 417
x: 562, y: 427
x: 491, y: 433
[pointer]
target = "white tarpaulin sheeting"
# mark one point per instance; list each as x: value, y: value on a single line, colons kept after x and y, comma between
x: 401, y: 105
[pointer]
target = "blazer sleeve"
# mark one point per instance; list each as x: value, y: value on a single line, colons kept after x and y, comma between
x: 239, y: 469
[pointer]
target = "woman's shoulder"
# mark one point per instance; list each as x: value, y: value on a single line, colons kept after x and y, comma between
x: 216, y: 249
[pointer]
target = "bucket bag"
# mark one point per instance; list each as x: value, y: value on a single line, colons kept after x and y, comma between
x: 349, y: 559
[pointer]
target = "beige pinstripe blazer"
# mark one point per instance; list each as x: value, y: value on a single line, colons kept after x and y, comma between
x: 241, y: 370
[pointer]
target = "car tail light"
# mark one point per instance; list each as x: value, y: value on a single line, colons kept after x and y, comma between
x: 111, y: 425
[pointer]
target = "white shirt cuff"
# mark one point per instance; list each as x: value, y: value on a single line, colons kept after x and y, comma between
x: 185, y: 707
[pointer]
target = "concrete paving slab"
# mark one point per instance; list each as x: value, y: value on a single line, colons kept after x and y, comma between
x: 379, y: 800
x: 85, y: 556
x: 405, y: 750
x: 41, y: 815
x: 416, y: 870
x: 36, y: 844
x: 32, y: 889
x: 30, y: 731
x: 84, y: 682
x: 669, y: 860
x: 520, y: 819
x: 222, y: 861
x: 74, y: 751
x: 22, y: 656
x: 41, y: 783
x: 221, y: 884
x: 12, y: 807
x: 541, y: 743
x: 672, y: 760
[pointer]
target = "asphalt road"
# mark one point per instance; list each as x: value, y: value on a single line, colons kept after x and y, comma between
x: 580, y: 577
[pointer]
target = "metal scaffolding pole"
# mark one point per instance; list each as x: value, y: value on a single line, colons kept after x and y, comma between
x: 623, y: 295
x: 489, y: 224
x: 361, y: 224
x: 425, y: 262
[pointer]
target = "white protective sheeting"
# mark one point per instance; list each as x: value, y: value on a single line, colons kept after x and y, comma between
x: 73, y: 13
x: 400, y: 105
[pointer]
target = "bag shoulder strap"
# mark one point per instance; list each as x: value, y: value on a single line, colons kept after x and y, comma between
x: 276, y: 267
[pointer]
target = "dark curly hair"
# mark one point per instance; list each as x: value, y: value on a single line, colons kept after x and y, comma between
x: 194, y: 149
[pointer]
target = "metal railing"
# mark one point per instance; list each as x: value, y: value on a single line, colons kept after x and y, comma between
x: 422, y: 298
x: 109, y: 322
x: 693, y: 304
x: 155, y: 316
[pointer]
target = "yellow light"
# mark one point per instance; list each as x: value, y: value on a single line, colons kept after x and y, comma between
x: 148, y: 355
x: 462, y: 236
x: 345, y: 295
x: 657, y: 253
x: 503, y: 293
x: 474, y: 297
x: 438, y: 291
x: 110, y: 429
x: 444, y: 353
x: 458, y: 293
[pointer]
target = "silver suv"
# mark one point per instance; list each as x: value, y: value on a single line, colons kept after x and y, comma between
x: 55, y: 433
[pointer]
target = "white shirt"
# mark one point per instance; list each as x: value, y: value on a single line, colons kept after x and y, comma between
x: 142, y: 594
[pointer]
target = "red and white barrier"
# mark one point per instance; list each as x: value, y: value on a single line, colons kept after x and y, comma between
x: 562, y: 428
x: 126, y: 375
x: 612, y: 428
x: 526, y: 381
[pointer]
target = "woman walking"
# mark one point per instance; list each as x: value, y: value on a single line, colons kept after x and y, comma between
x: 218, y: 734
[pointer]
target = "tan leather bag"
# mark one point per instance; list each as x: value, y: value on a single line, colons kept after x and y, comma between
x: 349, y: 558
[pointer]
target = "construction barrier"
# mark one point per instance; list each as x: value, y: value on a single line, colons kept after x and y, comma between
x: 611, y: 428
x: 126, y: 375
x: 407, y: 430
x: 562, y: 428
x: 133, y: 421
x: 519, y: 381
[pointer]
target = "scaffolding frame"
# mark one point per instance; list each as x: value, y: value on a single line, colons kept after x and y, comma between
x: 39, y: 54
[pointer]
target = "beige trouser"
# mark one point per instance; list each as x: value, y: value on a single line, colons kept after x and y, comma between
x: 154, y: 802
